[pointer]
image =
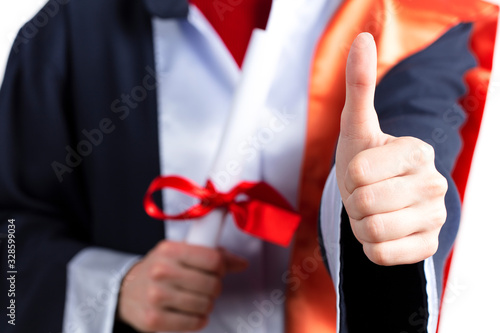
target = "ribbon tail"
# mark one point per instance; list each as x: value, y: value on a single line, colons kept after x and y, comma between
x: 267, y: 222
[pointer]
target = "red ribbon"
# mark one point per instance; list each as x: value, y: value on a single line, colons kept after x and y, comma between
x: 264, y: 213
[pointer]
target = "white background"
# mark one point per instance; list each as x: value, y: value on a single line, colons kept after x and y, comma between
x: 472, y: 303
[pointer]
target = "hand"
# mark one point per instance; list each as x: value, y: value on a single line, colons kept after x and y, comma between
x: 391, y: 190
x: 174, y: 287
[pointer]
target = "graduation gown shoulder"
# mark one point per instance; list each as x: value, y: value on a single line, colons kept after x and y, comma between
x: 78, y: 145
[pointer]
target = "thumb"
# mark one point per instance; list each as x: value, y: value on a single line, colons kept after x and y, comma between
x: 359, y: 119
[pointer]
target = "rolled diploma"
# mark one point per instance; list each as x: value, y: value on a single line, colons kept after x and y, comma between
x: 257, y: 72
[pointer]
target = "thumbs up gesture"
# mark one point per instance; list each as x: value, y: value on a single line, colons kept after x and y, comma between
x: 390, y: 188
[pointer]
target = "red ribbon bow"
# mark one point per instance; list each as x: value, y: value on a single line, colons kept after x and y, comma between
x: 264, y: 214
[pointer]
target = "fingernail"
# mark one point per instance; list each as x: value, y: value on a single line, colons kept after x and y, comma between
x: 365, y: 38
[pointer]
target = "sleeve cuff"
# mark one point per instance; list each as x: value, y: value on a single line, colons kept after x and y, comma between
x: 359, y: 283
x: 330, y: 218
x: 93, y: 284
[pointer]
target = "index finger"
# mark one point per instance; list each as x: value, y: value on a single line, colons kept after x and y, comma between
x: 400, y: 156
x: 193, y: 256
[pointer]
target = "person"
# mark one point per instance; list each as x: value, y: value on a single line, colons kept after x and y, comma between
x: 105, y: 96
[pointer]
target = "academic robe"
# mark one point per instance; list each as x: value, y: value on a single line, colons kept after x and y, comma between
x: 78, y: 151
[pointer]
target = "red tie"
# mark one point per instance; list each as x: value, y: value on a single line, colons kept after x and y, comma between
x: 234, y: 21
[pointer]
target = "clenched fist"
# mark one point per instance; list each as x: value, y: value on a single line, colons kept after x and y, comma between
x: 390, y: 188
x: 174, y: 287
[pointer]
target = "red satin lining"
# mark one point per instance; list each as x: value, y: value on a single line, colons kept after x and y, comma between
x: 234, y: 21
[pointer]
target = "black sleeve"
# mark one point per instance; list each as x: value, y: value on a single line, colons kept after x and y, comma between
x: 48, y: 214
x: 73, y: 67
x: 419, y: 98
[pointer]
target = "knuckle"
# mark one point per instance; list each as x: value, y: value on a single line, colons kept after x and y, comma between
x: 422, y: 153
x: 439, y: 218
x: 215, y: 259
x: 204, y: 305
x: 194, y: 303
x: 407, y: 141
x: 378, y: 254
x: 152, y: 320
x: 197, y: 323
x: 427, y: 151
x: 160, y: 271
x: 210, y: 260
x: 154, y: 295
x: 374, y: 228
x: 443, y: 215
x: 431, y: 246
x: 442, y: 185
x: 156, y: 272
x: 166, y: 248
x: 357, y: 231
x: 363, y: 200
x: 436, y: 186
x: 186, y: 323
x: 358, y: 170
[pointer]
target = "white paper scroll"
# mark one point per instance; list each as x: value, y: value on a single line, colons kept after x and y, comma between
x: 232, y: 165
